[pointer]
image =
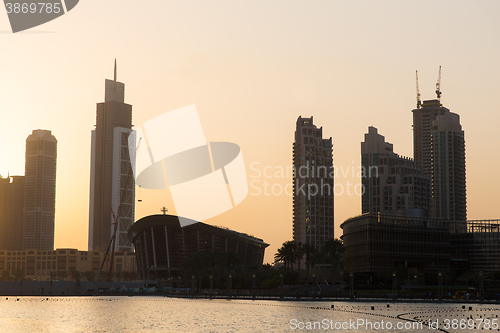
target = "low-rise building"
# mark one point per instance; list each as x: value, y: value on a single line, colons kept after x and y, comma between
x: 64, y: 264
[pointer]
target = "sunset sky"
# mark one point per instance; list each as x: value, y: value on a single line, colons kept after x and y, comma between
x: 252, y: 67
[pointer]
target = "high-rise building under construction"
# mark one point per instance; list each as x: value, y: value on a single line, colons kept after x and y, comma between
x: 439, y: 149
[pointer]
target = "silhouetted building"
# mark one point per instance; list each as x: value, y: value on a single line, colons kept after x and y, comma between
x: 11, y: 212
x: 380, y: 243
x: 422, y: 132
x: 65, y: 264
x: 448, y: 168
x: 313, y: 187
x: 392, y: 183
x: 112, y: 185
x: 162, y: 245
x: 439, y: 148
x: 40, y: 191
x: 478, y: 247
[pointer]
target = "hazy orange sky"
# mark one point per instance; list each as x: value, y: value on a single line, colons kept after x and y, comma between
x: 251, y: 68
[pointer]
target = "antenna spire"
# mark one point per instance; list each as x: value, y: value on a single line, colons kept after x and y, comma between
x: 115, y: 69
x: 419, y: 103
x: 438, y: 86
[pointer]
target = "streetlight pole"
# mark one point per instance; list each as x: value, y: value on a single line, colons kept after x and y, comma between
x: 211, y: 285
x: 281, y: 285
x: 254, y: 283
x: 440, y: 289
x: 394, y: 286
x: 481, y: 286
x: 351, y: 285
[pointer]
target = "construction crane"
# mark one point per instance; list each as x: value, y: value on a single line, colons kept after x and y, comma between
x: 419, y: 102
x: 438, y: 86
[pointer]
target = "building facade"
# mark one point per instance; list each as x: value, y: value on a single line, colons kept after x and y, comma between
x: 112, y: 185
x: 313, y: 197
x: 392, y: 183
x: 378, y: 243
x: 439, y: 149
x: 478, y: 245
x: 40, y: 191
x: 162, y: 245
x: 448, y: 168
x: 63, y: 264
x: 422, y: 132
x: 11, y: 212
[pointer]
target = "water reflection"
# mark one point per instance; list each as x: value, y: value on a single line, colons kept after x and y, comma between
x: 161, y: 314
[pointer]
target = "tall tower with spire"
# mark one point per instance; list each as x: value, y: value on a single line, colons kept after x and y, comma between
x: 112, y: 186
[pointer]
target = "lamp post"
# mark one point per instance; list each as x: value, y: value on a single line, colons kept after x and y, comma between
x: 230, y: 285
x: 254, y: 284
x: 211, y: 286
x: 281, y: 285
x: 394, y: 286
x: 440, y: 289
x: 192, y: 284
x: 351, y: 285
x: 314, y: 286
x: 481, y: 286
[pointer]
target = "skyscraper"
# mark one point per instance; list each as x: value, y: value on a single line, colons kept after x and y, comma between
x: 313, y: 185
x: 448, y: 168
x: 112, y: 186
x: 11, y: 213
x: 40, y: 191
x: 439, y: 148
x: 392, y: 183
x: 422, y: 132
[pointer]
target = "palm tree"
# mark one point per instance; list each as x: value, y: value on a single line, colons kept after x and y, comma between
x: 309, y: 252
x: 291, y: 249
x: 19, y: 274
x: 89, y: 275
x: 75, y: 275
x: 287, y: 254
x: 333, y: 251
x: 231, y: 259
x: 281, y: 256
x: 5, y: 276
x: 194, y: 264
x: 299, y: 254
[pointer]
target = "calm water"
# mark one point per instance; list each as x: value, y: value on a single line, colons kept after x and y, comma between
x: 161, y: 314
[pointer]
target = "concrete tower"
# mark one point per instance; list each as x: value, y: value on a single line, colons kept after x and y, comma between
x: 40, y: 191
x: 313, y: 185
x: 112, y: 186
x: 392, y: 183
x: 448, y: 168
x: 11, y: 213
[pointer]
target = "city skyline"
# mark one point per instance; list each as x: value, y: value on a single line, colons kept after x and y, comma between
x: 348, y: 65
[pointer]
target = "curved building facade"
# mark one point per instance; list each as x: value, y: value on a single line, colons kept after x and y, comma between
x: 162, y: 245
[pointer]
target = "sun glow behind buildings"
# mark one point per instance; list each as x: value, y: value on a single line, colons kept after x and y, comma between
x: 252, y: 68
